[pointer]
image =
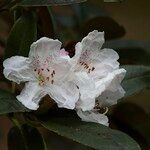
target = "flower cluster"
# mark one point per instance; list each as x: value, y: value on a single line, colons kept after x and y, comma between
x: 87, y: 82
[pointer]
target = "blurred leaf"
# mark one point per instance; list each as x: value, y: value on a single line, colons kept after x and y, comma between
x: 90, y: 134
x: 133, y: 120
x: 136, y: 79
x: 127, y: 49
x: 45, y: 22
x: 8, y: 103
x: 86, y: 11
x: 48, y: 2
x: 113, y: 0
x: 111, y: 27
x: 26, y: 138
x: 22, y: 35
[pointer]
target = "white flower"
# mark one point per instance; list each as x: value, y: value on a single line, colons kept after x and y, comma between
x: 45, y: 72
x: 97, y: 76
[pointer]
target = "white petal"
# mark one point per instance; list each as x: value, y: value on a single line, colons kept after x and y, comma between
x: 108, y: 98
x: 104, y: 62
x: 93, y: 41
x: 65, y: 95
x: 111, y: 85
x: 45, y: 47
x: 17, y: 69
x: 90, y: 116
x: 31, y: 95
x: 87, y: 91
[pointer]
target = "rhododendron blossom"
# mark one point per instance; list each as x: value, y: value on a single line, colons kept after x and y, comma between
x: 87, y: 82
x: 98, y: 77
x: 45, y: 72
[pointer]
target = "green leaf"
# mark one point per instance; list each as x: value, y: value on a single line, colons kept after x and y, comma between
x: 8, y: 103
x: 136, y: 79
x: 48, y: 2
x: 127, y: 49
x: 22, y: 35
x: 134, y: 120
x: 113, y: 0
x: 25, y: 138
x: 89, y: 134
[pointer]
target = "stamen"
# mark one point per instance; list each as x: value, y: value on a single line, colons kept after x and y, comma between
x: 52, y: 81
x: 89, y: 70
x: 93, y: 68
x: 52, y: 75
x: 48, y: 70
x: 53, y: 71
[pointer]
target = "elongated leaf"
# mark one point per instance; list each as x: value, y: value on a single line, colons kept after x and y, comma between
x: 130, y: 51
x: 48, y: 2
x: 90, y: 134
x: 136, y: 79
x: 113, y: 0
x: 22, y: 35
x: 28, y: 138
x: 134, y: 120
x: 8, y: 103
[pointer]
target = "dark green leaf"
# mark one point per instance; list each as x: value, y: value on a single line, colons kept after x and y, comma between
x: 134, y: 120
x: 22, y: 35
x: 48, y: 2
x: 127, y: 49
x: 136, y: 79
x: 90, y: 134
x: 8, y: 103
x: 111, y: 27
x: 113, y: 0
x: 25, y: 138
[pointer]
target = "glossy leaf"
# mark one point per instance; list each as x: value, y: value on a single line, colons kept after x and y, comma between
x: 89, y: 134
x: 8, y: 103
x: 113, y: 0
x: 48, y: 2
x: 25, y: 138
x: 111, y: 27
x: 134, y: 120
x: 22, y: 35
x: 136, y: 79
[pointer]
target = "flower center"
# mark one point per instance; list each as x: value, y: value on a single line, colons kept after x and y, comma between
x: 85, y: 62
x: 45, y: 75
x: 86, y: 66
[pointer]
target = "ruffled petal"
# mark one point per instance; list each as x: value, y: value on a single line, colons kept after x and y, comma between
x: 111, y: 83
x: 87, y: 91
x: 88, y: 47
x: 104, y: 62
x: 93, y: 41
x: 109, y: 98
x: 90, y: 116
x: 65, y: 95
x: 31, y: 95
x: 45, y: 47
x: 17, y: 69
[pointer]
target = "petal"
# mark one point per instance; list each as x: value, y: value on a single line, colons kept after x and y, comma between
x: 90, y: 116
x: 111, y: 82
x: 93, y: 41
x: 65, y: 95
x: 31, y: 95
x: 87, y: 91
x: 45, y: 47
x: 104, y: 62
x: 85, y: 49
x: 17, y: 69
x: 108, y: 98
